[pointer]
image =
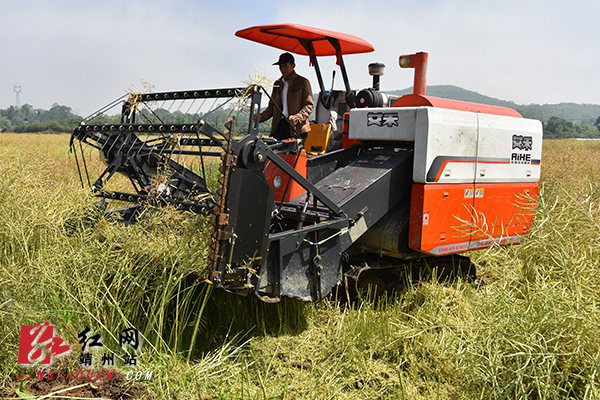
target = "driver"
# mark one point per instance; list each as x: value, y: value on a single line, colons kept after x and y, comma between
x: 292, y: 97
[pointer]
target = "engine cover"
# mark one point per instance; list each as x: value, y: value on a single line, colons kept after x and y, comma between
x: 453, y: 146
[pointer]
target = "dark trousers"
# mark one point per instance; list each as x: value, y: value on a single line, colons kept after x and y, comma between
x: 283, y: 130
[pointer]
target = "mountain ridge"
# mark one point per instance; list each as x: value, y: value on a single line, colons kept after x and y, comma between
x: 575, y: 112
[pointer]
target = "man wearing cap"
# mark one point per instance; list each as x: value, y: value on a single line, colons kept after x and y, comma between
x: 292, y: 98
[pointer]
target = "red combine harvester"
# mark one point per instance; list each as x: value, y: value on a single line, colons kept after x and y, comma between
x: 379, y: 182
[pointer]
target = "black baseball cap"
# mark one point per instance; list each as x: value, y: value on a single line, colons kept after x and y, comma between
x: 285, y: 58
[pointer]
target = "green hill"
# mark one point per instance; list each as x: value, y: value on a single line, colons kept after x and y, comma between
x: 458, y: 93
x: 577, y: 113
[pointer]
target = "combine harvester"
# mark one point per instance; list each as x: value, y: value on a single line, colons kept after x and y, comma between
x: 380, y: 181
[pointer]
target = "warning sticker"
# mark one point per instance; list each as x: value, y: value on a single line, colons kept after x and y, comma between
x: 382, y: 158
x: 425, y: 218
x: 476, y: 193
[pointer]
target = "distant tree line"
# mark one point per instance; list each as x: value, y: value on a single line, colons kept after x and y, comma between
x: 61, y: 119
x: 560, y: 128
x: 584, y: 114
x: 27, y: 119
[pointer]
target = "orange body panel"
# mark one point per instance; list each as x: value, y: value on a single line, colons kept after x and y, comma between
x: 505, y: 212
x: 418, y: 100
x: 434, y: 217
x: 294, y: 190
x: 347, y: 142
x: 453, y: 218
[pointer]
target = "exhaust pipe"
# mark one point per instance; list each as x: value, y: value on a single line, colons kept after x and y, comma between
x: 417, y: 61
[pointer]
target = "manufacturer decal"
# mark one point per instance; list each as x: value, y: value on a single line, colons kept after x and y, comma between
x: 388, y: 119
x: 524, y: 143
x: 520, y: 158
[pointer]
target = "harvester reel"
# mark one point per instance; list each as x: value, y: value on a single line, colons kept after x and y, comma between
x: 162, y: 152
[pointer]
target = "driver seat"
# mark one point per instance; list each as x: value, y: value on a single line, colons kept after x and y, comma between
x: 317, y: 139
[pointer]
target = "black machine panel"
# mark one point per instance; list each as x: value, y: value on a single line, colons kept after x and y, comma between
x: 250, y: 205
x: 306, y: 263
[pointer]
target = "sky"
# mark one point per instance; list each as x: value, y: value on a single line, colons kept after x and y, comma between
x: 85, y: 54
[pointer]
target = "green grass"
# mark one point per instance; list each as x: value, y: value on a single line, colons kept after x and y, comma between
x: 529, y: 329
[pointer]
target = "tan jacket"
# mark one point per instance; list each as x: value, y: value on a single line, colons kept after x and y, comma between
x: 300, y: 102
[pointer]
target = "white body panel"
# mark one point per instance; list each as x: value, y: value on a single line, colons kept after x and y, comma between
x: 445, y: 146
x: 453, y: 146
x: 518, y: 141
x: 389, y: 123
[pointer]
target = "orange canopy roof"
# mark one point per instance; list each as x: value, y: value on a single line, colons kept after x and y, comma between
x: 288, y: 37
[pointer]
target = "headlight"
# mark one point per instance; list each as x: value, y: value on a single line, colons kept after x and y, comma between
x: 277, y: 181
